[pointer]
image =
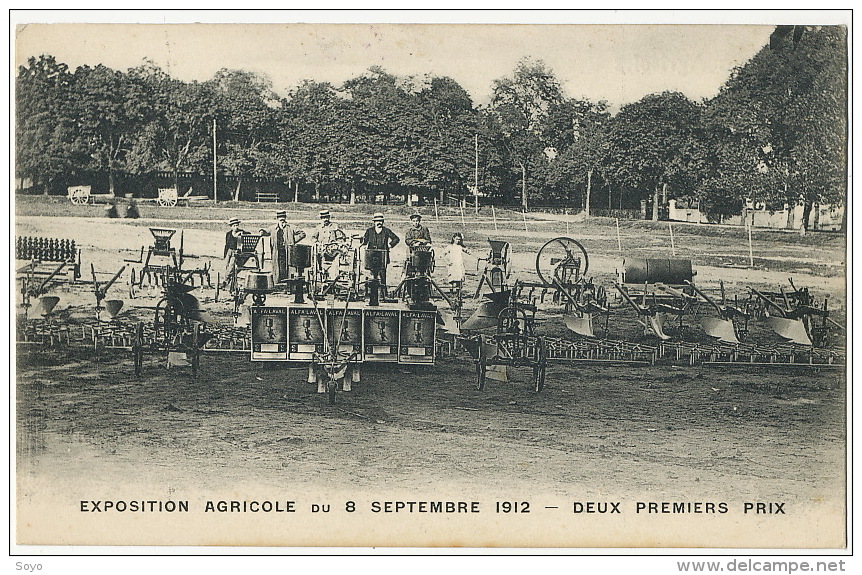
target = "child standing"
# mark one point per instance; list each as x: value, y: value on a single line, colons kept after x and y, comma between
x: 455, y: 257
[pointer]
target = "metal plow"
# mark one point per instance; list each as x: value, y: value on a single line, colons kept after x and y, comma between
x: 580, y: 325
x: 652, y: 317
x: 722, y: 327
x: 791, y: 321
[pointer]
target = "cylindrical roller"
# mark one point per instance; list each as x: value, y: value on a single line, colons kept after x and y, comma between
x: 667, y: 271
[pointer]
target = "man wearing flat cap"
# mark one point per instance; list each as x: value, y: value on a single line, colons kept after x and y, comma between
x: 418, y: 238
x: 379, y: 237
x: 417, y: 234
x: 329, y: 238
x: 231, y: 244
x: 282, y: 238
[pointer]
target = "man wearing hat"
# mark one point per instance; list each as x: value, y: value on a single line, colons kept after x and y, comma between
x: 379, y: 237
x: 231, y: 243
x: 417, y: 234
x: 327, y: 235
x: 282, y: 237
x: 417, y: 237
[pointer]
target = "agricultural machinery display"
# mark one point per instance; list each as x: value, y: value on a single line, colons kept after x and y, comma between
x: 325, y: 315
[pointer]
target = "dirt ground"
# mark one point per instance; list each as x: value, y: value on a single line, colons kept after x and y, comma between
x: 88, y: 429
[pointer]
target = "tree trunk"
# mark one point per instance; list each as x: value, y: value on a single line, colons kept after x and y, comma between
x: 316, y: 190
x: 111, y: 184
x: 408, y: 198
x: 236, y: 190
x: 295, y: 192
x: 352, y: 193
x: 806, y: 214
x: 524, y: 186
x: 815, y: 225
x: 655, y: 204
x: 589, y: 189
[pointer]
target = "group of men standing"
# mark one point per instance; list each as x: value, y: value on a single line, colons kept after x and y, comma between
x: 282, y: 236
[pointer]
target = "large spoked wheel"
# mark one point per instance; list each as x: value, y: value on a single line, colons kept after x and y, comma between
x: 79, y: 197
x: 167, y: 201
x: 138, y: 349
x: 558, y: 258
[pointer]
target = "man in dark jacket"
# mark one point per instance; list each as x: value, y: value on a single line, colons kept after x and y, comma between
x: 231, y: 243
x: 378, y: 240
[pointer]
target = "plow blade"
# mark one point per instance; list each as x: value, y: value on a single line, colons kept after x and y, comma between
x: 721, y: 329
x: 484, y: 317
x: 791, y: 329
x: 580, y: 325
x: 654, y: 324
x: 47, y: 304
x: 113, y: 307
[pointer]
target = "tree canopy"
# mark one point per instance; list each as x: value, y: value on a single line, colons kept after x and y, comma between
x: 775, y: 133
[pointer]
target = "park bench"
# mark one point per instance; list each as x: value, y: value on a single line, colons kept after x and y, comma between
x: 267, y: 197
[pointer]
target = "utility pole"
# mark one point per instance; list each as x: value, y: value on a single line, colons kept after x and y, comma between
x: 476, y: 175
x: 215, y: 166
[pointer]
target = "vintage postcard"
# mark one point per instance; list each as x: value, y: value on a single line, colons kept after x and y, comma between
x: 506, y: 284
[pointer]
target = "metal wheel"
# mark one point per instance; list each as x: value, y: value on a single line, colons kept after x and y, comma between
x: 195, y: 351
x: 79, y: 197
x: 138, y: 348
x: 558, y: 258
x: 480, y: 374
x: 481, y: 367
x: 540, y: 367
x: 169, y: 315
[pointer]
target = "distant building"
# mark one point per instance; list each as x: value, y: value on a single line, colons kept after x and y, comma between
x: 828, y: 217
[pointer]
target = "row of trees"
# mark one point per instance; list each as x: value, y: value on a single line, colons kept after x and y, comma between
x: 776, y: 133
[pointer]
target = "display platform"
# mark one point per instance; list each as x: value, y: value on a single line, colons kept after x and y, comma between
x: 394, y: 333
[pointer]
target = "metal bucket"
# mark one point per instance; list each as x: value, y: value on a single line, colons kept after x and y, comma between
x: 300, y: 256
x: 259, y: 282
x: 667, y: 271
x: 375, y: 260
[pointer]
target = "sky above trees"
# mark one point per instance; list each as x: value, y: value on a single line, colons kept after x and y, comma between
x: 616, y: 63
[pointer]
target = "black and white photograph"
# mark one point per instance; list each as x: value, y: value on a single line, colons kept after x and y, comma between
x: 406, y: 280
